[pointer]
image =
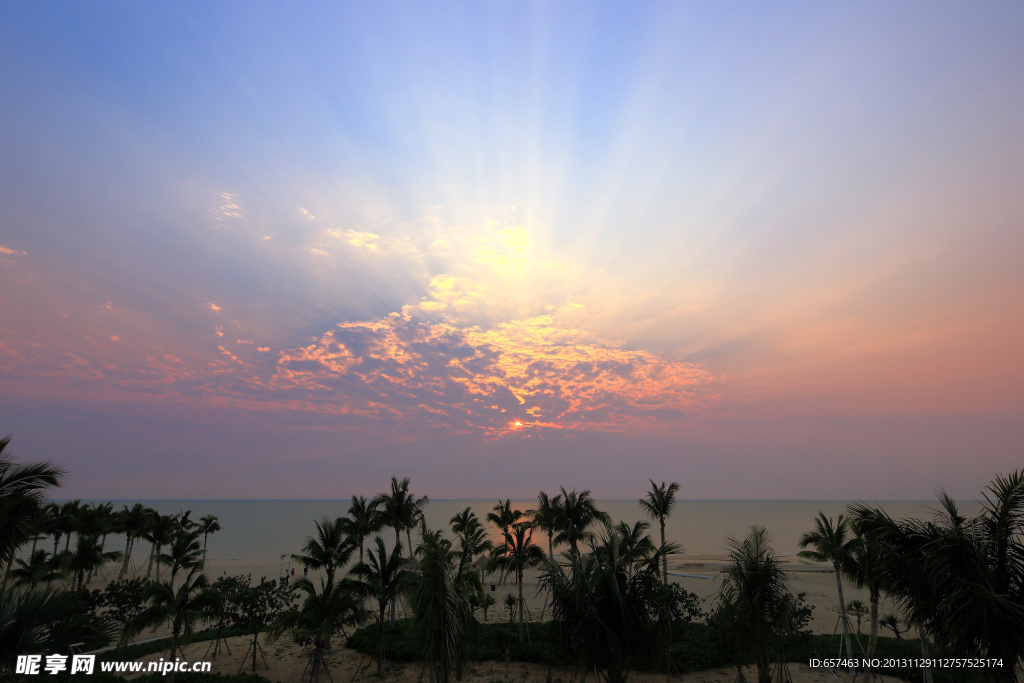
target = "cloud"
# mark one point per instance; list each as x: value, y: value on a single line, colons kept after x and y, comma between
x: 214, y: 307
x: 475, y: 379
x: 319, y: 252
x: 6, y: 250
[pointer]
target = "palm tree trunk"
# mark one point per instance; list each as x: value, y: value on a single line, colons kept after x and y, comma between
x: 873, y: 638
x: 159, y: 547
x: 174, y: 647
x: 664, y: 558
x: 95, y: 570
x: 519, y: 578
x: 152, y: 554
x: 127, y: 555
x: 924, y: 655
x: 67, y: 542
x: 551, y: 548
x: 394, y: 603
x: 35, y: 539
x: 205, y: 536
x: 7, y: 573
x: 842, y: 617
x: 56, y: 541
x: 380, y: 644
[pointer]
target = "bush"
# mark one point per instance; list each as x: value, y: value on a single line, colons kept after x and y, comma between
x: 489, y: 641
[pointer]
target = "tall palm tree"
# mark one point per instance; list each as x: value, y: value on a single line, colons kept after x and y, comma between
x: 181, y: 609
x: 330, y: 550
x: 504, y: 516
x: 67, y: 522
x: 634, y: 544
x: 516, y: 554
x: 382, y: 578
x: 22, y: 486
x: 362, y: 521
x: 133, y: 523
x: 576, y: 514
x: 545, y: 517
x: 658, y: 505
x: 159, y: 532
x: 319, y: 616
x: 865, y: 572
x: 207, y: 525
x: 184, y: 552
x: 833, y: 543
x: 472, y: 537
x: 440, y: 598
x: 400, y: 509
x: 960, y: 580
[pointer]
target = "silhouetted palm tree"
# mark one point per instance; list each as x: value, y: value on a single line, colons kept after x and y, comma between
x: 330, y: 550
x: 184, y: 552
x: 207, y: 525
x: 472, y: 537
x: 833, y: 543
x: 86, y: 557
x: 658, y: 505
x: 159, y: 532
x: 133, y: 523
x: 320, y: 615
x: 545, y: 518
x: 40, y: 568
x: 960, y: 580
x: 516, y: 554
x: 382, y: 578
x: 400, y: 509
x: 576, y: 514
x: 22, y: 486
x: 504, y: 516
x: 180, y: 609
x: 362, y: 521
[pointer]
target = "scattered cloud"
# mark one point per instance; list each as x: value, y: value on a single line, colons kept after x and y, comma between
x: 8, y: 251
x: 263, y: 349
x: 214, y: 307
x: 319, y: 252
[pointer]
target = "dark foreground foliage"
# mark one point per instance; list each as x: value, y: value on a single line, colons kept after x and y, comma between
x: 696, y: 647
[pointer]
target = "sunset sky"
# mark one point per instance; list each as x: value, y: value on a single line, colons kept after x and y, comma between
x: 286, y: 251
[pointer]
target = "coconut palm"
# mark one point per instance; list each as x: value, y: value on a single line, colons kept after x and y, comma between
x: 602, y: 616
x: 658, y: 505
x: 440, y: 598
x: 330, y: 550
x: 382, y: 578
x: 545, y: 517
x: 159, y: 532
x: 959, y: 580
x: 184, y: 552
x: 515, y: 555
x: 864, y: 571
x: 207, y: 525
x: 576, y: 514
x: 399, y: 509
x: 133, y: 523
x: 834, y: 543
x: 362, y: 521
x: 754, y: 597
x: 504, y: 516
x: 635, y: 545
x: 22, y: 486
x: 180, y: 609
x: 40, y: 568
x: 472, y: 537
x: 320, y: 615
x: 67, y: 521
x: 87, y: 557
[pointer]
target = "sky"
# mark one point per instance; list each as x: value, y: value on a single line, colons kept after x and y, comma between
x: 257, y: 250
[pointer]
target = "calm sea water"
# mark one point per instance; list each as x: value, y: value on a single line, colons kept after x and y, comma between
x: 258, y: 532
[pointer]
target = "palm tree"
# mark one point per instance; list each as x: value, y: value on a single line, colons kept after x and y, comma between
x: 40, y: 568
x: 545, y: 518
x: 330, y: 550
x: 181, y: 609
x: 67, y: 522
x: 362, y: 521
x: 603, y: 616
x: 865, y: 573
x: 382, y: 578
x: 207, y: 525
x: 320, y: 615
x: 471, y: 535
x: 399, y: 510
x: 658, y: 505
x: 440, y: 597
x: 22, y: 487
x: 754, y: 597
x: 576, y: 514
x: 184, y: 552
x: 87, y: 556
x: 635, y: 545
x: 959, y: 580
x: 517, y: 554
x: 833, y: 543
x: 504, y: 516
x: 160, y: 532
x: 133, y: 523
x: 44, y: 619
